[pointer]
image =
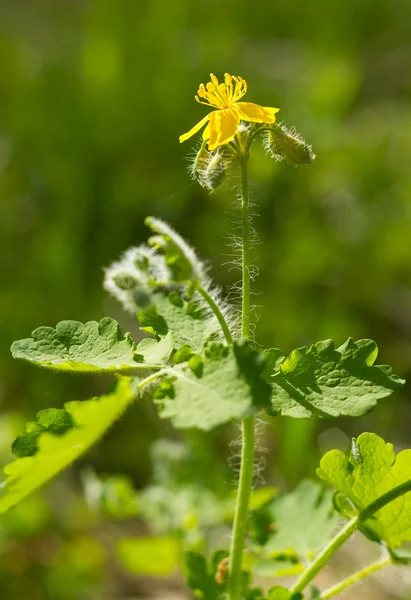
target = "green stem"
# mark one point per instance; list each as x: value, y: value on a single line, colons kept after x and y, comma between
x: 245, y: 259
x: 393, y: 494
x: 248, y: 434
x: 241, y: 509
x: 355, y: 577
x: 324, y: 556
x: 216, y: 310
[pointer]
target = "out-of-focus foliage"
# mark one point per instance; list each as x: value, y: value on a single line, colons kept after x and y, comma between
x: 93, y: 96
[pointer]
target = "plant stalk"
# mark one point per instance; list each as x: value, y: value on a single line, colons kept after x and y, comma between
x: 217, y: 312
x: 248, y: 434
x: 355, y: 578
x: 324, y: 556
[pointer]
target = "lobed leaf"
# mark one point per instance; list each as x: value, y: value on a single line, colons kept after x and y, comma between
x: 208, y: 391
x: 189, y: 319
x: 328, y: 381
x: 368, y: 473
x: 92, y: 418
x: 302, y: 522
x: 54, y: 420
x: 91, y: 347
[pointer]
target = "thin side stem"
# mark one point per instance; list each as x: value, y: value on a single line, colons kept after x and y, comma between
x: 248, y: 434
x: 355, y: 578
x: 216, y: 310
x: 322, y: 559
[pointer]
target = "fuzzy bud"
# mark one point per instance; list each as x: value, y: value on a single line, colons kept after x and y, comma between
x: 125, y: 281
x: 215, y: 172
x: 284, y: 144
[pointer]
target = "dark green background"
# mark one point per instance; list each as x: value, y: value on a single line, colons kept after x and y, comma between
x: 93, y: 97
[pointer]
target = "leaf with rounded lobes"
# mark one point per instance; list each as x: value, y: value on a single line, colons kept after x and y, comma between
x: 91, y: 348
x: 54, y: 420
x: 329, y: 382
x: 157, y: 557
x: 92, y: 418
x: 369, y: 473
x: 302, y: 522
x: 227, y: 385
x: 190, y: 320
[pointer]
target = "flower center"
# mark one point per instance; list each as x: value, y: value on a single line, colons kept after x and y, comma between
x: 221, y: 95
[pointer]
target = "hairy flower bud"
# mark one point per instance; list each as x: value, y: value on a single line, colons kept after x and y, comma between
x: 215, y: 172
x: 125, y: 281
x: 209, y: 168
x: 284, y: 144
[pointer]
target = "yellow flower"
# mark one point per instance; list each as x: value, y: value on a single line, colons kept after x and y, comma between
x: 223, y: 123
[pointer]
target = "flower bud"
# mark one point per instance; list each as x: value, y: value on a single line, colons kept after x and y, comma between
x: 125, y: 281
x: 284, y: 144
x: 215, y: 172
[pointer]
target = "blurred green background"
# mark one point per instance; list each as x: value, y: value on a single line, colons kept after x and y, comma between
x: 93, y: 97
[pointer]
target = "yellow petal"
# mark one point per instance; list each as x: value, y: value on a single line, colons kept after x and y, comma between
x: 223, y: 127
x: 194, y: 130
x: 206, y: 132
x: 248, y: 111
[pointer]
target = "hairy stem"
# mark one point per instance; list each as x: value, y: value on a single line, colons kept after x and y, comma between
x: 248, y: 434
x: 245, y: 258
x: 355, y: 578
x: 216, y: 310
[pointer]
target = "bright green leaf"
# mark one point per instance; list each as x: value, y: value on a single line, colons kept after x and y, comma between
x: 92, y: 419
x: 228, y: 387
x: 369, y: 472
x: 328, y: 381
x: 303, y: 521
x: 157, y: 557
x: 190, y: 321
x: 91, y: 347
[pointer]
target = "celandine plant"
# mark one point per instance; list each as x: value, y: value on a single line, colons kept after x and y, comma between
x: 201, y: 370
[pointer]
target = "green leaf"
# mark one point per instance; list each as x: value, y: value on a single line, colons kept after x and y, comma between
x: 91, y: 347
x: 228, y: 386
x: 92, y: 418
x: 368, y: 473
x: 201, y: 578
x: 157, y: 557
x: 303, y: 522
x: 328, y: 381
x: 54, y: 420
x: 189, y: 320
